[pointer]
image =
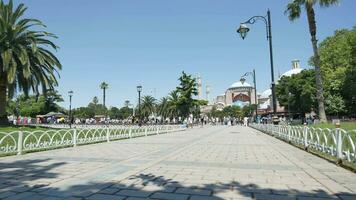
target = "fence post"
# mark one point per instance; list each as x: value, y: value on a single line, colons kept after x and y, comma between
x: 75, y: 137
x: 305, y: 134
x: 289, y: 133
x: 130, y: 132
x: 108, y: 134
x: 338, y: 141
x: 157, y: 129
x: 20, y: 143
x: 146, y: 131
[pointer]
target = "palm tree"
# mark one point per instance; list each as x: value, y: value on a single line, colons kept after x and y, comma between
x: 294, y: 11
x: 148, y: 106
x: 26, y: 63
x: 162, y: 107
x: 104, y: 86
x: 173, y: 101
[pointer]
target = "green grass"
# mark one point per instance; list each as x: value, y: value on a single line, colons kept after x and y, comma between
x: 344, y: 125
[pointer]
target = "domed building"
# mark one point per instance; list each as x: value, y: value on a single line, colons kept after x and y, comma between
x: 242, y: 93
x: 239, y: 94
x: 265, y: 103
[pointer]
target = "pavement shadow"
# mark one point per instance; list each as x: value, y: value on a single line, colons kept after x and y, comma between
x: 19, y: 176
x: 150, y: 186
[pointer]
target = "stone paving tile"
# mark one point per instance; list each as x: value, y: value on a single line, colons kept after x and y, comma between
x: 6, y: 194
x: 105, y: 197
x: 109, y: 191
x: 134, y: 193
x: 169, y: 196
x: 197, y: 197
x: 23, y: 195
x: 193, y: 191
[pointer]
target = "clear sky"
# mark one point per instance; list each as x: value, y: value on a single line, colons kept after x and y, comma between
x: 149, y: 42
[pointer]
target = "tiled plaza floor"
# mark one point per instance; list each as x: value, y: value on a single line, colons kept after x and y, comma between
x: 203, y: 163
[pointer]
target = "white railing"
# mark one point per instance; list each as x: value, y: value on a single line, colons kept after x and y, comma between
x: 335, y: 142
x: 25, y: 141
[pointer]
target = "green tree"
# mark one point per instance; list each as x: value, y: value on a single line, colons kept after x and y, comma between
x: 186, y: 90
x: 33, y: 105
x: 338, y: 61
x: 95, y: 100
x: 98, y: 109
x: 294, y: 11
x: 126, y: 112
x: 349, y: 88
x: 52, y: 98
x: 232, y: 111
x: 83, y: 112
x: 26, y: 63
x: 334, y: 105
x: 148, y: 106
x: 114, y: 113
x: 298, y: 92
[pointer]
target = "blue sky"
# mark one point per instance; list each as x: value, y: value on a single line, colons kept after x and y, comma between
x: 131, y: 42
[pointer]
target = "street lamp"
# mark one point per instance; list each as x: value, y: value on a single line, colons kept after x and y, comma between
x: 70, y: 93
x: 253, y: 74
x: 139, y: 89
x: 243, y: 30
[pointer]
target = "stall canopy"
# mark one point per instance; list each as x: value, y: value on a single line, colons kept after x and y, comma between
x: 54, y: 114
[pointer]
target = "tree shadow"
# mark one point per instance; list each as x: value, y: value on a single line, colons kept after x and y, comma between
x: 24, y: 175
x: 141, y: 186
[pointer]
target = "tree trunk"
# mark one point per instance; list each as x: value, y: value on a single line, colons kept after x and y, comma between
x: 104, y: 97
x: 316, y: 59
x: 3, y: 114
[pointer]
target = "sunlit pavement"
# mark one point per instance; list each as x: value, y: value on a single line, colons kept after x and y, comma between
x: 217, y: 162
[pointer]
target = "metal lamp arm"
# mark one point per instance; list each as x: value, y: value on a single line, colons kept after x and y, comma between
x: 253, y: 19
x: 247, y: 73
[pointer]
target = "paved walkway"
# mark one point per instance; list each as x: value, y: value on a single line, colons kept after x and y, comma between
x: 202, y: 163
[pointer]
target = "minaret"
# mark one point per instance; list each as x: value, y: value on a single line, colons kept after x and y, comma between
x: 199, y: 85
x: 207, y: 91
x: 295, y: 64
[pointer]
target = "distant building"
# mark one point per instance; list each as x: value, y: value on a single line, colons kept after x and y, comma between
x: 238, y: 94
x: 242, y: 93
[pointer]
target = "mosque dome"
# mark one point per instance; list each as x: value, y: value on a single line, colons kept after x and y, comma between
x: 239, y: 84
x: 265, y: 94
x: 296, y: 69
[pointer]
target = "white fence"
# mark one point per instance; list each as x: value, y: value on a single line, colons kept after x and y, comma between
x: 335, y: 142
x: 24, y: 141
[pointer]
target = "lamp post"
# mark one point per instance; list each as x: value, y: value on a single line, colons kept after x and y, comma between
x: 70, y: 93
x: 253, y: 74
x: 243, y: 29
x: 139, y: 89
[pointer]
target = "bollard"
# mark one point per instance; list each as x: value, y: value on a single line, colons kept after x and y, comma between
x: 289, y: 133
x: 305, y: 134
x: 338, y: 141
x: 107, y: 134
x: 130, y: 132
x: 157, y: 130
x: 146, y: 131
x: 20, y: 143
x: 75, y: 137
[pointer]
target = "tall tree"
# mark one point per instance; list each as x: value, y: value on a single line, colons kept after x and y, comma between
x: 186, y: 90
x: 337, y: 62
x: 104, y: 86
x: 26, y: 63
x: 297, y: 92
x: 148, y: 106
x: 294, y: 11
